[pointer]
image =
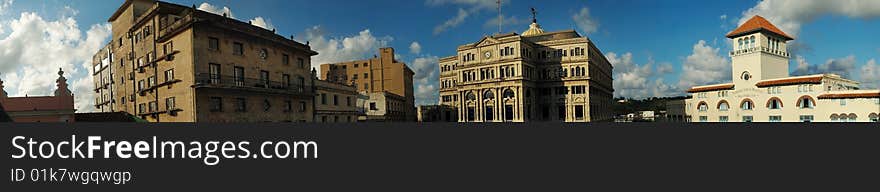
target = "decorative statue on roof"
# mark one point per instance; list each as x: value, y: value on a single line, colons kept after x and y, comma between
x: 61, y: 82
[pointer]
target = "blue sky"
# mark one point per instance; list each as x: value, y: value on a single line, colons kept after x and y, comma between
x: 658, y: 48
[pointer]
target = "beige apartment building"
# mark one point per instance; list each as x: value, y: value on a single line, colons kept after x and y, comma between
x: 173, y: 63
x: 536, y: 76
x: 381, y: 80
x: 762, y: 90
x: 335, y: 102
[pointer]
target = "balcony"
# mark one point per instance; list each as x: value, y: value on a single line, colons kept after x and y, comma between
x: 781, y: 53
x: 174, y: 27
x: 205, y: 80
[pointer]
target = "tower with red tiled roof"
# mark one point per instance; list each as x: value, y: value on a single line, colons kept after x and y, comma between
x: 759, y: 52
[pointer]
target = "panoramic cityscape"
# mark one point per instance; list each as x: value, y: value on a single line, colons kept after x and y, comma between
x: 198, y: 61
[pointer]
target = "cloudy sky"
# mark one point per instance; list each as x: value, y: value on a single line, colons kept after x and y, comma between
x: 658, y: 48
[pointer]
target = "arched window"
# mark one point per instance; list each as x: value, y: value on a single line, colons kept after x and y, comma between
x: 853, y: 117
x: 747, y: 104
x: 740, y: 44
x: 470, y: 96
x: 752, y: 42
x: 488, y: 95
x: 806, y: 102
x: 723, y: 105
x: 774, y: 103
x: 874, y: 117
x: 746, y: 76
x: 702, y: 106
x: 508, y: 94
x: 835, y: 118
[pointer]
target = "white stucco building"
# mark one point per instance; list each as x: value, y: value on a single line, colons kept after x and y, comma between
x: 761, y: 89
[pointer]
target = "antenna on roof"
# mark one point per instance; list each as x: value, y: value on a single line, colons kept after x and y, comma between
x: 500, y: 16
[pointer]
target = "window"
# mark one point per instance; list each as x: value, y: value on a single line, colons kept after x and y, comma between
x: 806, y: 102
x: 238, y: 76
x: 154, y: 106
x: 348, y: 101
x: 747, y: 105
x: 746, y: 76
x: 722, y: 119
x: 141, y: 85
x: 579, y: 112
x: 806, y: 118
x: 169, y: 75
x: 169, y: 104
x: 508, y: 112
x: 489, y: 114
x: 774, y: 103
x: 214, y: 71
x: 142, y: 108
x: 285, y: 79
x: 723, y: 106
x: 775, y: 118
x: 335, y: 99
x: 373, y: 106
x: 264, y: 79
x: 366, y: 76
x: 301, y: 63
x: 874, y: 117
x: 702, y: 106
x: 168, y: 48
x: 240, y: 105
x: 302, y: 106
x: 151, y: 81
x: 704, y: 118
x: 285, y: 59
x: 237, y: 48
x: 842, y: 102
x: 213, y: 44
x: 747, y: 119
x: 323, y: 99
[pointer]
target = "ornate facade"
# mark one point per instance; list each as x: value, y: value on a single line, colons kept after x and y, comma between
x: 762, y: 90
x: 536, y: 76
x: 173, y: 63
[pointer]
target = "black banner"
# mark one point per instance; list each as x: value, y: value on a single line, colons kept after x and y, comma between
x: 442, y: 156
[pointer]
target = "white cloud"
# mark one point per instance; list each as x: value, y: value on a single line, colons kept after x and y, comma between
x: 260, y: 22
x: 415, y: 47
x: 427, y: 74
x: 789, y: 15
x: 841, y: 66
x: 467, y: 8
x: 505, y: 21
x: 704, y: 66
x: 723, y: 17
x: 632, y: 80
x: 452, y: 22
x: 35, y: 48
x: 871, y: 75
x: 338, y: 49
x: 3, y: 5
x: 584, y: 21
x: 216, y: 10
x: 256, y: 21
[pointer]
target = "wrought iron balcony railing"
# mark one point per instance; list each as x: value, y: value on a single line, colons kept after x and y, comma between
x: 221, y: 81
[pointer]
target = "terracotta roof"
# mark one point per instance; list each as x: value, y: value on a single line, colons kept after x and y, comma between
x: 717, y: 87
x: 851, y: 94
x: 13, y: 104
x: 811, y: 79
x: 757, y: 23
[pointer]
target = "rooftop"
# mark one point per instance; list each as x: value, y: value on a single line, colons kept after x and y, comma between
x: 756, y: 24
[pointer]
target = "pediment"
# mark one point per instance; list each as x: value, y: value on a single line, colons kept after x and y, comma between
x: 487, y: 41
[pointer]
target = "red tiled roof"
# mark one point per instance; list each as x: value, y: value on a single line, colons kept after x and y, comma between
x: 36, y: 103
x: 850, y: 95
x: 757, y: 23
x: 711, y: 88
x: 815, y: 79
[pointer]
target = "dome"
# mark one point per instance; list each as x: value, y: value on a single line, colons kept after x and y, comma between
x: 534, y: 29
